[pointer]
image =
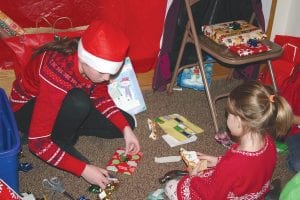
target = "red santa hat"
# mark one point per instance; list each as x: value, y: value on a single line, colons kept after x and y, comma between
x: 103, y: 47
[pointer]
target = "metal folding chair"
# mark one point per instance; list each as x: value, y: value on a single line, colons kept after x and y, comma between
x: 219, y: 53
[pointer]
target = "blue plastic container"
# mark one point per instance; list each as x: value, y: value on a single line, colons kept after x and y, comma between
x: 9, y: 144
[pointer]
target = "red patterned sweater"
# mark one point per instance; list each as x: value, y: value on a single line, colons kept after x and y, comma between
x: 238, y: 175
x: 48, y: 78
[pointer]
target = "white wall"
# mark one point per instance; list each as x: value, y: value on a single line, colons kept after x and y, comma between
x: 286, y: 19
x: 266, y: 6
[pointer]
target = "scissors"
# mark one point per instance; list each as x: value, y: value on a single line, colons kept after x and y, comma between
x: 56, y: 185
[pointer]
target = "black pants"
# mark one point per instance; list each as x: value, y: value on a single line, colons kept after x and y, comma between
x: 77, y: 116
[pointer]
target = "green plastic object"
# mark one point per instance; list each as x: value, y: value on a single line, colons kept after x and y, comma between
x: 291, y: 190
x: 281, y: 147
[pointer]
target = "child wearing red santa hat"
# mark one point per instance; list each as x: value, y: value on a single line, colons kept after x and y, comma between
x: 62, y: 94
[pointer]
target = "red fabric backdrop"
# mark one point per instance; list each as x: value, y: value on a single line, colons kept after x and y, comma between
x: 142, y: 20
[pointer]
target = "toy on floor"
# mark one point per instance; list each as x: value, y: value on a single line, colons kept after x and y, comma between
x: 20, y: 154
x: 56, y: 185
x: 107, y: 192
x: 25, y: 167
x: 83, y: 198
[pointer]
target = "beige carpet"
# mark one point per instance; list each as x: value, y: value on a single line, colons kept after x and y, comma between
x: 189, y: 103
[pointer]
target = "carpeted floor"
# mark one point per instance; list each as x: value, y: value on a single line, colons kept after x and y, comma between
x: 189, y: 103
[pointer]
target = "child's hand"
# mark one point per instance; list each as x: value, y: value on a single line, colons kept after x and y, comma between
x: 95, y: 175
x: 131, y: 141
x: 195, y: 171
x: 211, y: 160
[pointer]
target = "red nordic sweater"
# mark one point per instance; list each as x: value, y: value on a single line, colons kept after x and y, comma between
x: 48, y: 78
x: 238, y: 175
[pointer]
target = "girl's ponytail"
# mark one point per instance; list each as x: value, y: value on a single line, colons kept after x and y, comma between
x: 284, y: 118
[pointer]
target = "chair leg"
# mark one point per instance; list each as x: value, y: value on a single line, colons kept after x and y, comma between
x: 179, y: 59
x: 272, y: 76
x: 207, y: 90
x: 200, y: 59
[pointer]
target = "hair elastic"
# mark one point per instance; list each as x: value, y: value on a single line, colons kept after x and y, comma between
x: 271, y: 98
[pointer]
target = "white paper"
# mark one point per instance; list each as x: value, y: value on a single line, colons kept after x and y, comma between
x: 167, y: 159
x: 172, y: 142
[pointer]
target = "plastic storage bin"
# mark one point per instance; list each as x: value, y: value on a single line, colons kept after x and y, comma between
x: 9, y: 144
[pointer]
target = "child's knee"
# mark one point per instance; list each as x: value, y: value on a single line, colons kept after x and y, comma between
x: 78, y: 99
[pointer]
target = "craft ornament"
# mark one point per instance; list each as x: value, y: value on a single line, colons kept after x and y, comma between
x: 192, y: 161
x: 153, y: 128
